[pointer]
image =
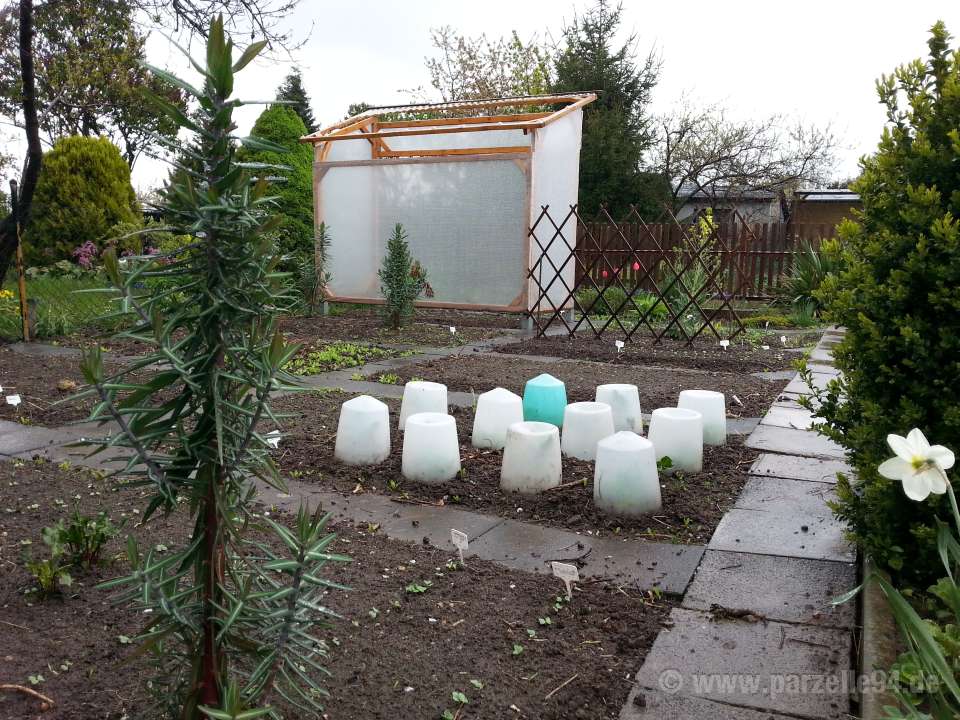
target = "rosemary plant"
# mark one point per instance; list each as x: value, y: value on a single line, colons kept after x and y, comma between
x: 233, y: 621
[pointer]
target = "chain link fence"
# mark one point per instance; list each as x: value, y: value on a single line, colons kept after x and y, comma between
x: 57, y: 304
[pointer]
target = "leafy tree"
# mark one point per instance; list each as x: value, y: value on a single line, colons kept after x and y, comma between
x: 233, y: 619
x: 90, y: 75
x: 357, y: 108
x: 292, y: 91
x: 402, y: 279
x: 469, y: 68
x: 280, y: 124
x: 706, y: 151
x: 897, y: 296
x: 186, y: 19
x: 83, y: 191
x: 617, y: 127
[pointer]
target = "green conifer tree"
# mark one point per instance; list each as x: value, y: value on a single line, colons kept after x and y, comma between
x: 402, y: 279
x: 292, y: 91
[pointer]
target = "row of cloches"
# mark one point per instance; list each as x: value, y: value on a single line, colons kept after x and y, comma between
x: 607, y: 432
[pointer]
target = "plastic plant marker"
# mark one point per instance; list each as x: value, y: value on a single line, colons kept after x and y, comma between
x: 677, y: 433
x: 273, y: 439
x: 625, y: 480
x: 783, y: 339
x: 13, y: 400
x: 724, y: 344
x: 737, y: 400
x: 712, y: 405
x: 421, y: 396
x: 584, y: 425
x: 618, y: 344
x: 497, y: 410
x: 363, y: 432
x: 531, y: 458
x: 431, y: 451
x: 624, y: 402
x: 544, y: 400
x: 453, y: 330
x: 764, y: 347
x: 460, y: 542
x: 568, y: 573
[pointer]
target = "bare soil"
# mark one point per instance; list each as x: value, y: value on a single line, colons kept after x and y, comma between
x: 393, y: 655
x: 659, y: 386
x: 692, y: 504
x: 430, y: 328
x: 41, y: 382
x: 705, y: 353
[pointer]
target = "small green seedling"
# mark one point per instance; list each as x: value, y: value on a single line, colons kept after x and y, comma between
x: 416, y: 588
x: 517, y: 649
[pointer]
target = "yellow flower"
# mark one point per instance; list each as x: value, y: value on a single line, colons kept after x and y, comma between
x: 6, y: 295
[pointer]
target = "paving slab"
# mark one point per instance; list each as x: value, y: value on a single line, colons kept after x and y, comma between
x: 822, y: 354
x: 645, y: 704
x: 532, y: 548
x: 798, y: 468
x: 775, y: 588
x: 775, y: 374
x: 798, y: 671
x: 799, y: 497
x: 790, y: 416
x: 786, y: 534
x: 799, y: 387
x: 789, y: 441
x: 16, y: 438
x: 515, y: 544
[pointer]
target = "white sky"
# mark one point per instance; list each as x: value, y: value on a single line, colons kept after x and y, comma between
x: 816, y: 60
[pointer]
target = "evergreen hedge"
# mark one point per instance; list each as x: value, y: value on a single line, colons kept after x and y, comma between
x: 83, y: 191
x: 898, y: 295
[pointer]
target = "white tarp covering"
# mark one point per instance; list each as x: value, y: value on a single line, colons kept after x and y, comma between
x: 467, y: 219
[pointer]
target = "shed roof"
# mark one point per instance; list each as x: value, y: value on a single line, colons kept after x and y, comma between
x: 451, y: 117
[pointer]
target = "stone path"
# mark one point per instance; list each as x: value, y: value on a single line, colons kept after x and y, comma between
x: 756, y: 635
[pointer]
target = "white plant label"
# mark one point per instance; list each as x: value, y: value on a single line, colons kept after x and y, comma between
x: 273, y: 438
x: 13, y: 400
x: 737, y: 401
x: 724, y: 344
x: 453, y: 330
x: 764, y: 347
x: 783, y: 339
x: 619, y: 344
x: 568, y: 573
x: 460, y: 542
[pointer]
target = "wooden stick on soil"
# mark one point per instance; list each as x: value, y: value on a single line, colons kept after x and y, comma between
x: 564, y: 485
x: 48, y: 703
x: 561, y: 686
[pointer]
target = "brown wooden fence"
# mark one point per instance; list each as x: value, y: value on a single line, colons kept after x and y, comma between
x: 758, y: 255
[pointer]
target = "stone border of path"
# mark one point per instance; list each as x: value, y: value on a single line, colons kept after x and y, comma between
x: 756, y: 635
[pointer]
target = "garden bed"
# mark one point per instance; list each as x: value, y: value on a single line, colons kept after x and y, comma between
x: 463, y: 631
x: 41, y: 381
x: 704, y: 354
x: 659, y: 386
x: 429, y: 328
x: 692, y: 505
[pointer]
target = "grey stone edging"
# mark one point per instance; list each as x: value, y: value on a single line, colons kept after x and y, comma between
x: 879, y: 643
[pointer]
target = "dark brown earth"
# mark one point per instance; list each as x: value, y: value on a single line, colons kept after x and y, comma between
x: 659, y: 387
x: 429, y: 327
x: 393, y: 655
x: 705, y: 353
x: 38, y: 380
x: 692, y: 505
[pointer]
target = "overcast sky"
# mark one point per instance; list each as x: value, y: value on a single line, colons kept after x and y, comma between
x: 815, y: 60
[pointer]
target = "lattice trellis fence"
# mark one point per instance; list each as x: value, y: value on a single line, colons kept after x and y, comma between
x: 679, y: 290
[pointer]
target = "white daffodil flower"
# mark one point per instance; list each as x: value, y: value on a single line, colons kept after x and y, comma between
x: 918, y: 465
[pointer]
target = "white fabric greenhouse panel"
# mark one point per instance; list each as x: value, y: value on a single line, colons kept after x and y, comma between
x: 556, y: 169
x: 465, y: 221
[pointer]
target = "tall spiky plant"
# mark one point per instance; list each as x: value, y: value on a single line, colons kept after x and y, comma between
x: 231, y: 621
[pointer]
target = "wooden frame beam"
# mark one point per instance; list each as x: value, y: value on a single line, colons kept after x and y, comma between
x: 525, y: 149
x: 345, y: 129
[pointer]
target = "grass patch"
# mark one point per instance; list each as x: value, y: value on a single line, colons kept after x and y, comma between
x: 61, y: 306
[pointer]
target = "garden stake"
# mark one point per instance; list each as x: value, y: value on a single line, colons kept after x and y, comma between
x: 21, y: 279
